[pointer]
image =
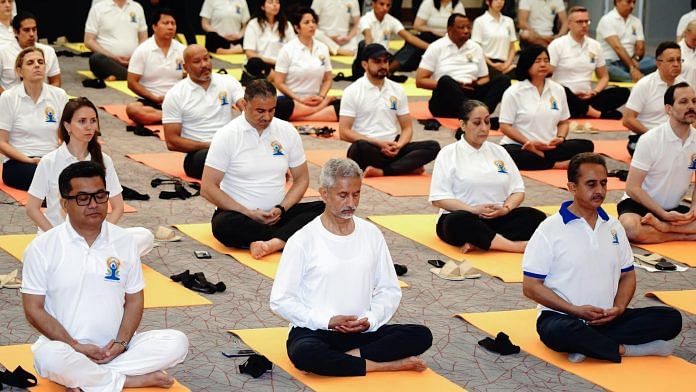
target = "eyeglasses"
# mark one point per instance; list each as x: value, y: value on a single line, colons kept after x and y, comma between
x: 583, y: 22
x: 672, y: 60
x: 83, y: 199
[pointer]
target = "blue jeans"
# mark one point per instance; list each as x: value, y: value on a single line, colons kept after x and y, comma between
x: 619, y: 73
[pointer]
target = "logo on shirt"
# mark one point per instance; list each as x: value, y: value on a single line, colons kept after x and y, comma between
x: 386, y: 37
x: 393, y: 102
x: 593, y: 57
x: 469, y: 57
x: 50, y: 114
x: 633, y: 30
x: 692, y: 166
x: 500, y: 165
x: 238, y: 9
x: 277, y: 148
x: 553, y: 10
x: 113, y: 266
x: 179, y: 64
x: 614, y: 237
x: 554, y: 103
x: 322, y: 58
x: 222, y: 97
x: 132, y: 18
x: 349, y: 7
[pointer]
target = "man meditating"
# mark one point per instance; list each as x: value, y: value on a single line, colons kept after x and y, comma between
x: 337, y: 287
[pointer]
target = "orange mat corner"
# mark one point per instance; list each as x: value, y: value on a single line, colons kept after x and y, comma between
x: 680, y: 251
x: 681, y: 299
x: 119, y: 111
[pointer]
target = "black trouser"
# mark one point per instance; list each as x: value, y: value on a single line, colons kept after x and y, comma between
x: 194, y: 162
x: 237, y: 230
x: 412, y: 156
x: 462, y: 227
x: 18, y: 174
x: 102, y: 67
x: 564, y: 333
x: 323, y: 352
x: 409, y: 56
x: 631, y: 206
x: 526, y: 160
x: 213, y: 42
x: 608, y: 99
x: 448, y: 96
x: 286, y: 106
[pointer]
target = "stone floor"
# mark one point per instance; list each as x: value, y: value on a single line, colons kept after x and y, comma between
x: 429, y: 300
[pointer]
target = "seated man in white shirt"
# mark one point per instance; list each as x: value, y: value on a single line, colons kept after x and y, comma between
x: 337, y: 287
x: 113, y: 30
x: 688, y: 47
x: 26, y: 34
x: 661, y: 171
x: 196, y: 107
x: 371, y: 108
x: 155, y: 67
x: 339, y: 25
x: 578, y: 266
x: 88, y: 333
x: 244, y: 177
x: 536, y: 19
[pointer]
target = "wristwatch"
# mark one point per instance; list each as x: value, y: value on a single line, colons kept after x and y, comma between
x: 122, y: 343
x: 281, y: 208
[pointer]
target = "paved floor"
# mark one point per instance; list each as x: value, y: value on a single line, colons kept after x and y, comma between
x: 429, y: 300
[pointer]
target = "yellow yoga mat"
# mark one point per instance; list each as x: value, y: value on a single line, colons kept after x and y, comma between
x: 559, y: 179
x: 632, y: 374
x: 21, y: 355
x: 270, y: 342
x: 348, y: 60
x: 610, y: 208
x: 267, y: 266
x: 78, y: 47
x: 200, y: 39
x: 683, y: 299
x: 681, y: 251
x: 412, y: 91
x: 239, y: 58
x: 421, y: 228
x: 119, y: 85
x: 346, y: 71
x: 160, y: 291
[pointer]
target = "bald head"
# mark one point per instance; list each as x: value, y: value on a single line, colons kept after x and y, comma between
x: 197, y: 64
x: 192, y: 50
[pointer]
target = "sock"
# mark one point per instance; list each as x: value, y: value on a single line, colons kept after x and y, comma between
x: 576, y: 357
x: 656, y: 347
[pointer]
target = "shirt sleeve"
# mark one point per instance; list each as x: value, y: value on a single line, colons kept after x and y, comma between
x: 425, y: 10
x: 251, y: 35
x: 560, y: 6
x: 636, y: 99
x: 459, y: 8
x: 538, y: 256
x: 565, y: 112
x: 234, y: 88
x: 626, y: 253
x: 364, y: 23
x: 683, y: 22
x: 403, y: 109
x: 441, y: 182
x: 355, y: 9
x: 283, y: 60
x: 508, y: 107
x: 477, y: 31
x: 112, y: 183
x: 92, y: 24
x: 207, y: 9
x: 395, y: 24
x: 599, y: 58
x: 516, y: 181
x: 525, y: 5
x: 387, y: 293
x: 171, y: 109
x: 554, y: 52
x: 137, y: 64
x: 429, y: 59
x: 643, y: 156
x: 511, y: 29
x: 482, y: 66
x: 34, y: 271
x: 289, y: 33
x: 219, y: 153
x: 296, y: 155
x: 136, y: 281
x: 142, y: 25
x: 605, y: 28
x: 7, y: 119
x: 640, y: 36
x: 349, y: 107
x: 39, y: 184
x: 52, y: 65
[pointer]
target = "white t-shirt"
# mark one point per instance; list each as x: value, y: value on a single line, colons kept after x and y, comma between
x: 201, y: 112
x: 158, y: 73
x: 494, y: 36
x: 266, y: 42
x: 688, y: 56
x: 575, y: 62
x: 436, y: 19
x: 255, y: 165
x: 669, y: 164
x: 45, y: 182
x: 7, y: 35
x: 647, y: 98
x: 542, y: 14
x: 335, y: 16
x: 226, y: 16
x: 535, y: 116
x: 304, y: 69
x: 84, y: 286
x: 487, y: 175
x: 116, y: 28
x: 32, y: 126
x: 8, y: 55
x: 684, y: 22
x: 380, y: 31
x: 322, y: 274
x: 628, y: 31
x: 464, y: 64
x: 375, y: 111
x: 579, y: 264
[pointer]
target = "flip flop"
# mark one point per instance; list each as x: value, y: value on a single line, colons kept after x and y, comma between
x: 166, y: 234
x: 10, y: 281
x: 19, y: 378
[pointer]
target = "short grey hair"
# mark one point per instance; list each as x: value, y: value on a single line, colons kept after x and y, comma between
x: 338, y: 167
x: 691, y: 27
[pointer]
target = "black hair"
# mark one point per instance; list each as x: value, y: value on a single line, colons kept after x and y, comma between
x: 579, y: 159
x: 468, y: 106
x: 281, y: 18
x: 527, y: 59
x: 664, y: 46
x: 453, y: 17
x: 69, y: 110
x: 438, y: 3
x: 297, y: 16
x: 259, y: 88
x: 21, y: 17
x: 669, y: 94
x: 159, y: 11
x: 83, y: 169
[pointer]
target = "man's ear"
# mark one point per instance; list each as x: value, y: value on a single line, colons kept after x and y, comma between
x: 323, y: 193
x: 572, y: 187
x: 364, y: 64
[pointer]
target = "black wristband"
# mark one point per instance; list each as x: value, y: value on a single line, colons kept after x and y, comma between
x: 281, y: 208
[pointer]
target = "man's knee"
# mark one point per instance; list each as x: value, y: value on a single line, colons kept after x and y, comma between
x: 670, y: 322
x: 303, y: 353
x: 134, y: 109
x: 422, y: 337
x: 173, y: 344
x: 632, y: 226
x: 50, y: 358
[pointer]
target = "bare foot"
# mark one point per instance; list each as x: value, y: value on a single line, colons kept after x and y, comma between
x: 155, y: 379
x: 110, y: 78
x: 420, y: 170
x: 72, y: 389
x: 562, y: 165
x: 373, y: 172
x: 259, y: 249
x: 651, y: 220
x: 410, y: 363
x: 467, y: 247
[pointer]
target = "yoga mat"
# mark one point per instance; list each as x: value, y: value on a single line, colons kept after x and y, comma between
x: 680, y: 251
x: 238, y: 59
x: 683, y: 299
x: 559, y: 179
x: 549, y: 210
x: 421, y: 228
x: 200, y: 39
x: 601, y: 125
x: 395, y: 45
x: 412, y: 91
x: 21, y: 355
x: 347, y: 60
x: 270, y: 342
x: 119, y: 111
x: 267, y: 266
x: 119, y: 85
x: 632, y: 374
x: 615, y: 149
x: 78, y: 47
x: 346, y: 71
x: 403, y: 185
x: 419, y: 111
x: 160, y: 291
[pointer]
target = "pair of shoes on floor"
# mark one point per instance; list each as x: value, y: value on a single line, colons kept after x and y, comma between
x: 621, y: 174
x: 256, y: 366
x: 132, y: 194
x: 140, y: 130
x: 577, y: 128
x: 198, y: 282
x: 430, y: 124
x: 10, y: 281
x: 501, y: 345
x: 342, y: 77
x: 400, y: 269
x: 94, y: 83
x: 18, y: 378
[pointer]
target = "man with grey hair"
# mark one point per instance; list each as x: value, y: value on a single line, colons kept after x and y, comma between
x: 336, y: 286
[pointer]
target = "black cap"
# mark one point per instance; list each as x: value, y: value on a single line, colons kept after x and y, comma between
x: 374, y: 51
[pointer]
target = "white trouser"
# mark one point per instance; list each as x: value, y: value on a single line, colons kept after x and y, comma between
x: 148, y: 352
x: 143, y: 238
x: 333, y: 46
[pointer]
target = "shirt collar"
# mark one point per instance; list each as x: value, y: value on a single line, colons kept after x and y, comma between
x: 450, y: 42
x: 74, y: 236
x: 23, y: 92
x: 65, y: 154
x: 569, y: 216
x: 467, y: 148
x: 247, y: 127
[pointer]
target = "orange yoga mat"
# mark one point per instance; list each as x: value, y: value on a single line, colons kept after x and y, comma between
x: 119, y: 111
x: 632, y: 374
x: 602, y: 125
x: 270, y: 342
x: 682, y: 299
x: 21, y: 355
x: 559, y: 179
x: 615, y: 149
x: 680, y: 251
x: 404, y: 185
x: 419, y: 111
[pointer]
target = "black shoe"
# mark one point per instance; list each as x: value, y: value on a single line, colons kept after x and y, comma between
x: 611, y: 115
x: 140, y: 130
x: 501, y: 345
x: 400, y: 269
x: 256, y: 366
x: 495, y: 123
x: 622, y: 175
x: 398, y: 78
x: 430, y: 124
x: 94, y: 83
x: 179, y: 277
x: 131, y: 194
x: 19, y: 378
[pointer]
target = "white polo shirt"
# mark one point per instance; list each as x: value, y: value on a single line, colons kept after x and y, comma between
x: 375, y: 111
x: 580, y: 264
x: 464, y: 64
x: 116, y: 28
x: 8, y: 55
x: 7, y: 35
x: 201, y: 112
x: 628, y: 31
x: 670, y: 165
x: 158, y: 72
x: 266, y: 42
x: 688, y: 56
x: 684, y: 21
x: 226, y: 16
x: 33, y: 127
x: 335, y: 16
x: 255, y: 165
x: 647, y: 98
x: 535, y: 116
x: 542, y: 14
x: 304, y: 68
x: 575, y: 62
x: 436, y: 19
x: 380, y: 31
x: 486, y: 175
x: 84, y: 286
x: 493, y: 35
x: 45, y: 182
